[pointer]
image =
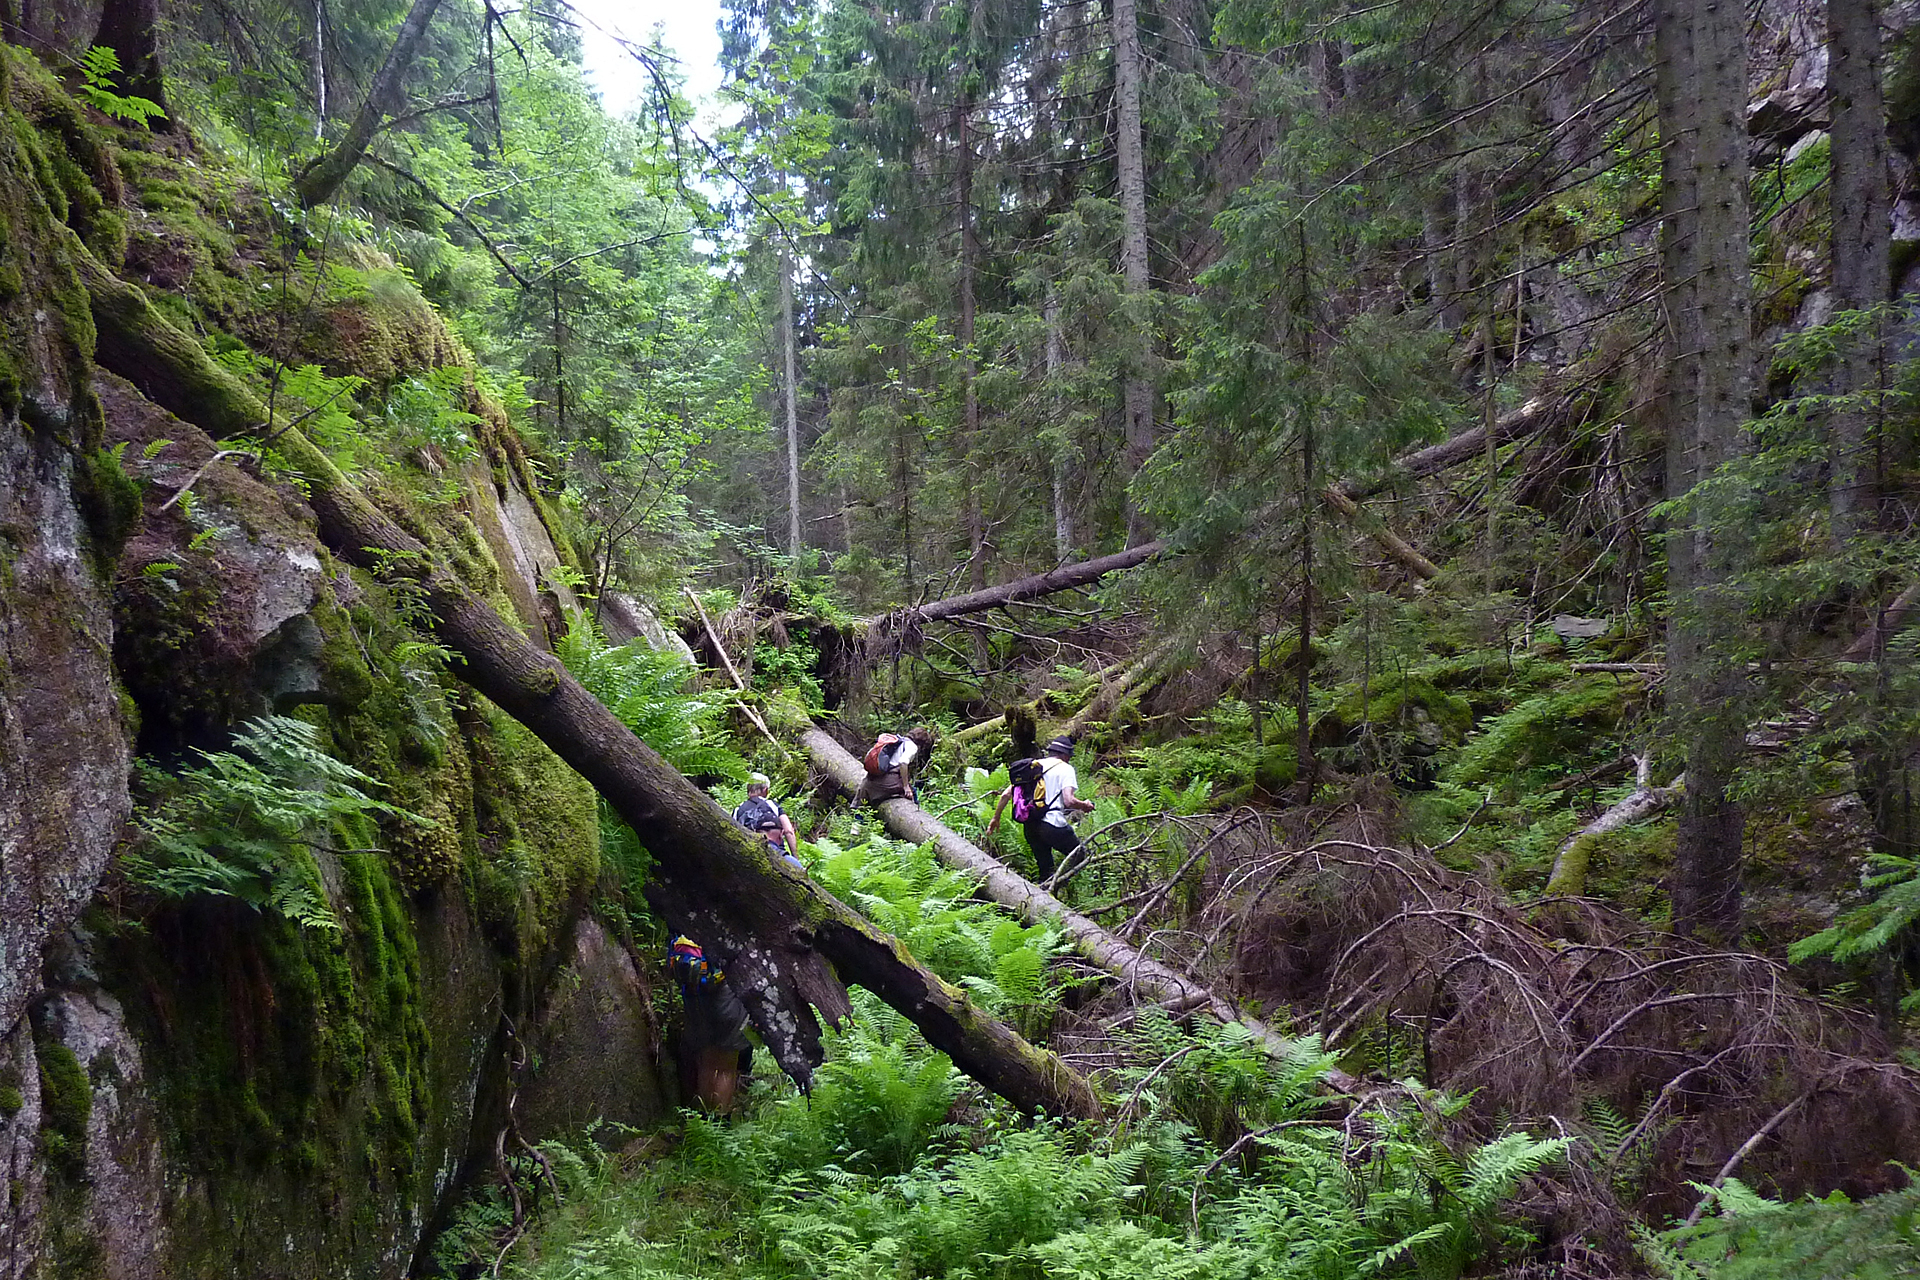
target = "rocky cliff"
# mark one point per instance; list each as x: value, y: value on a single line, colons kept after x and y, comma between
x: 191, y: 1085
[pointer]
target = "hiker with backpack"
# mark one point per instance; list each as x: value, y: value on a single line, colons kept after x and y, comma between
x: 762, y: 815
x: 891, y: 762
x: 714, y: 1050
x: 1044, y: 797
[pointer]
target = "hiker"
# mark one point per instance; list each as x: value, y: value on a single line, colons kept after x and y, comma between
x: 891, y: 762
x: 1043, y: 794
x: 714, y: 1049
x: 761, y: 814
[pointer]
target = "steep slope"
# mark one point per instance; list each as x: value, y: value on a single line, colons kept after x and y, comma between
x: 194, y: 1086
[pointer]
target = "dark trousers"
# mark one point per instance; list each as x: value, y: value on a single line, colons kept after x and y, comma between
x: 1047, y: 839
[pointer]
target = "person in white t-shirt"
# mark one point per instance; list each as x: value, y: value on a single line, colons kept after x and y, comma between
x: 1050, y: 830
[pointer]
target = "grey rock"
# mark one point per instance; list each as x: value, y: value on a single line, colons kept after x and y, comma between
x: 1572, y: 627
x: 63, y: 751
x: 624, y: 619
x: 597, y: 1043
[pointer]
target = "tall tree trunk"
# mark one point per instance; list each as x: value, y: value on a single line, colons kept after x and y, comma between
x: 1861, y: 203
x: 1701, y: 89
x: 559, y: 362
x: 786, y: 942
x: 323, y: 177
x: 969, y: 389
x: 1137, y: 395
x: 1302, y: 324
x: 131, y: 28
x: 320, y: 68
x: 1056, y: 361
x: 1862, y: 207
x: 791, y: 396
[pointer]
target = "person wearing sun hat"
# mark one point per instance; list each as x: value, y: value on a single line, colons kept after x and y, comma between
x: 761, y: 814
x: 1050, y: 829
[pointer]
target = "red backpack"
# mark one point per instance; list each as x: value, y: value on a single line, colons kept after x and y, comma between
x: 881, y: 755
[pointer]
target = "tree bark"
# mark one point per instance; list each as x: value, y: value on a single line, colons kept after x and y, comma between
x: 1570, y: 861
x: 1302, y: 325
x: 1056, y: 361
x: 1862, y: 211
x: 1152, y: 981
x: 1137, y: 393
x: 131, y: 28
x: 1701, y: 92
x: 780, y: 936
x: 1402, y: 551
x: 969, y: 388
x: 790, y: 386
x: 323, y: 177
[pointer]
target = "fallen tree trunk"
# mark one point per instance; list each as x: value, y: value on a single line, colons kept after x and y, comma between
x: 780, y: 936
x: 1140, y: 675
x: 1154, y: 982
x: 1570, y: 860
x: 1535, y: 415
x: 1392, y: 543
x: 1065, y: 578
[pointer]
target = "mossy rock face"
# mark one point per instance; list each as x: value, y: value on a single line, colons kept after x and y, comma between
x: 381, y: 330
x: 62, y: 515
x: 539, y: 837
x: 1398, y: 722
x: 1557, y: 732
x: 291, y: 1067
x: 313, y: 1086
x: 66, y: 1103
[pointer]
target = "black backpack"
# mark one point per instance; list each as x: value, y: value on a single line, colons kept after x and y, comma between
x: 1029, y: 781
x: 758, y: 813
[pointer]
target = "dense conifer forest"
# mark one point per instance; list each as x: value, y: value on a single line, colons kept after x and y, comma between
x: 1443, y: 474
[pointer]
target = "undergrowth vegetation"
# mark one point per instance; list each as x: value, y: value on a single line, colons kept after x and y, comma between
x: 896, y: 1166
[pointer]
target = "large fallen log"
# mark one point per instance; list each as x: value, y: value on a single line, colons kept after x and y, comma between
x: 1064, y: 578
x: 1535, y: 415
x: 1147, y: 978
x: 780, y: 935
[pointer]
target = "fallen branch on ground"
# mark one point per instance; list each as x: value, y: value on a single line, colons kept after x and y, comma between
x: 1570, y: 860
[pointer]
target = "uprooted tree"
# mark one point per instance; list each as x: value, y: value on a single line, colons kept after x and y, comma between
x: 787, y: 943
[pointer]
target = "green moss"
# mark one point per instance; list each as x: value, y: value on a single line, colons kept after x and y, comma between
x: 344, y: 674
x: 1547, y: 735
x: 539, y: 834
x: 1394, y: 700
x: 109, y: 501
x: 66, y: 1105
x: 11, y: 1100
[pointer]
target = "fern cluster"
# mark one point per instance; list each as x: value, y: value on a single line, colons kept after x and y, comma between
x: 651, y: 693
x: 1754, y: 1238
x: 895, y: 1168
x: 244, y: 823
x: 932, y: 909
